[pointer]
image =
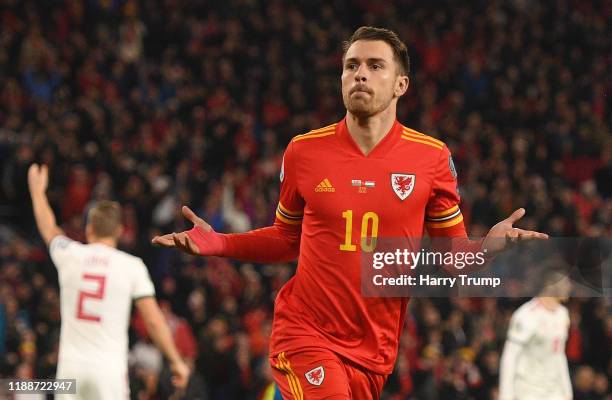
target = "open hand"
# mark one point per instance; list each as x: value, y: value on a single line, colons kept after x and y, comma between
x: 181, y: 240
x: 504, y: 230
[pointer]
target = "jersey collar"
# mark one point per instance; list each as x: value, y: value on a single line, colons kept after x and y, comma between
x: 380, y: 150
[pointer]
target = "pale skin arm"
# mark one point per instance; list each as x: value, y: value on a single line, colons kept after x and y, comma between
x: 162, y: 337
x: 38, y: 180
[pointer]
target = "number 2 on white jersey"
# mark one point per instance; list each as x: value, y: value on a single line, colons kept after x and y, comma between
x: 83, y: 295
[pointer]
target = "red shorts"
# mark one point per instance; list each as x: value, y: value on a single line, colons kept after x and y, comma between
x: 317, y: 373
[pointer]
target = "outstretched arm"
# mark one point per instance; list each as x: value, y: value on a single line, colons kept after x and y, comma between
x: 38, y: 180
x: 277, y: 243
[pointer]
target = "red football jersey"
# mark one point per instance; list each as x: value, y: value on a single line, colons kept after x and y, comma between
x: 341, y: 199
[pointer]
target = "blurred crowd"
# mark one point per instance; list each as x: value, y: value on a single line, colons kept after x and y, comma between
x: 161, y: 103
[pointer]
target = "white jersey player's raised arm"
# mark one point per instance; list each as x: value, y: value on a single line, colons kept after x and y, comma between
x: 98, y: 284
x: 533, y: 364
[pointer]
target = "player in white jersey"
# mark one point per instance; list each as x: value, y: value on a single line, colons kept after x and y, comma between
x: 533, y: 365
x: 97, y: 286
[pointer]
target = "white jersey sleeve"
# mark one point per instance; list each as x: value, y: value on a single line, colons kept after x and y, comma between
x: 64, y: 251
x: 520, y: 330
x: 142, y: 284
x: 566, y: 381
x: 522, y: 327
x: 507, y: 370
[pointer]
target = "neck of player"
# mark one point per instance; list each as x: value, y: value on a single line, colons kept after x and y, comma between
x: 368, y: 131
x: 550, y: 303
x: 108, y: 241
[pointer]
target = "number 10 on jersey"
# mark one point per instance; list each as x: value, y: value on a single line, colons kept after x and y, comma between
x: 369, y: 231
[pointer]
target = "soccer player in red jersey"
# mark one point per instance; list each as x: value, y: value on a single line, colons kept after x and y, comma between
x: 342, y: 186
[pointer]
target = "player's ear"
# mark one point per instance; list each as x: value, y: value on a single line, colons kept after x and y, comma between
x: 401, y: 85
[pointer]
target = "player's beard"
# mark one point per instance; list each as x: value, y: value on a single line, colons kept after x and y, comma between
x: 366, y: 105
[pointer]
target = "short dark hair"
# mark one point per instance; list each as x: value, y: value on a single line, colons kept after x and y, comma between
x: 105, y: 218
x: 400, y: 51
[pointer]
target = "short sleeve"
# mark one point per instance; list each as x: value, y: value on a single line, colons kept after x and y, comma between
x: 443, y: 216
x: 290, y: 210
x: 63, y: 250
x: 521, y: 328
x: 566, y: 319
x: 142, y: 285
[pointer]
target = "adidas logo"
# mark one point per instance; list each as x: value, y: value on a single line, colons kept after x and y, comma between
x: 325, y: 186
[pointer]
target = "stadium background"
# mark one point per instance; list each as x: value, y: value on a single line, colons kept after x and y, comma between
x: 168, y: 102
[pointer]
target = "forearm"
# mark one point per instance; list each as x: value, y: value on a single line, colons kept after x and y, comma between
x: 265, y: 245
x: 269, y: 244
x: 162, y: 337
x: 45, y: 219
x: 455, y: 240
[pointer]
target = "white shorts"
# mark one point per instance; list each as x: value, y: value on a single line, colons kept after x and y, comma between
x: 95, y: 382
